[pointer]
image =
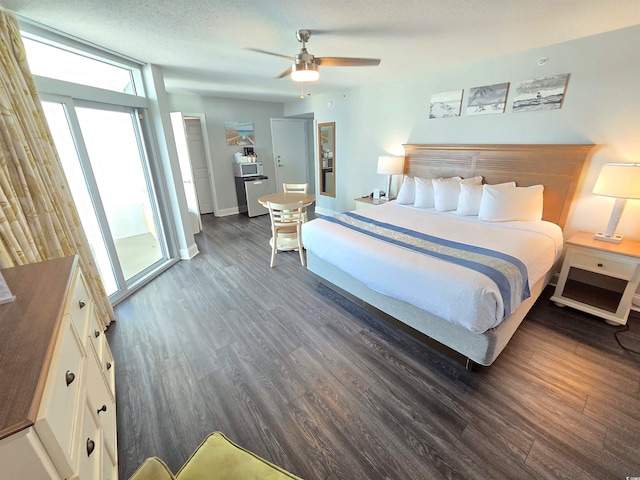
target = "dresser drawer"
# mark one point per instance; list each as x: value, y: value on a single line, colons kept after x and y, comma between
x: 80, y: 307
x: 109, y: 370
x: 101, y: 401
x: 97, y: 337
x: 58, y: 417
x: 89, y: 445
x: 109, y: 465
x: 603, y: 264
x: 23, y: 456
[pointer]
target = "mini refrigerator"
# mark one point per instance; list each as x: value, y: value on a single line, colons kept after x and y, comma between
x: 249, y: 189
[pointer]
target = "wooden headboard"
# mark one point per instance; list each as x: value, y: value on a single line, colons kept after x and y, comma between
x: 557, y: 167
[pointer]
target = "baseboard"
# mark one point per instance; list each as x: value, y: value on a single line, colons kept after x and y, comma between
x: 324, y: 211
x: 228, y: 211
x: 189, y: 253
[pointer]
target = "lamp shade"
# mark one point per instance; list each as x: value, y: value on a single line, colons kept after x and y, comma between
x: 304, y: 72
x: 390, y: 165
x: 619, y: 180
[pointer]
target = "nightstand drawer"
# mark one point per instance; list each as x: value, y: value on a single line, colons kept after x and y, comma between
x: 604, y: 265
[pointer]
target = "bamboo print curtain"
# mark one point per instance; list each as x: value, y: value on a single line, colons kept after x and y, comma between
x: 38, y: 218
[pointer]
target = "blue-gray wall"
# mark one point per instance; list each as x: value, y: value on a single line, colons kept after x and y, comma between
x: 601, y: 106
x: 217, y: 112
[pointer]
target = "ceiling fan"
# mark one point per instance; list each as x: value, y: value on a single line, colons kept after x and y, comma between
x: 305, y: 66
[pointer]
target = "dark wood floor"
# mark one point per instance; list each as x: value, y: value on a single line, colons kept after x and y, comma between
x: 321, y: 387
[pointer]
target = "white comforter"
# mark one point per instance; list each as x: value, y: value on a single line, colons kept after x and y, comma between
x: 450, y: 291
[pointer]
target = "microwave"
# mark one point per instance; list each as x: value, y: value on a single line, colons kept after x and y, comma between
x: 247, y: 169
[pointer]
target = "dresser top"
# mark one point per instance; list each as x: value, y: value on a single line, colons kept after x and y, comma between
x: 29, y: 327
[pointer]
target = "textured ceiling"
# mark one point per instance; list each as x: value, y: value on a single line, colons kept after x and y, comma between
x: 202, y: 45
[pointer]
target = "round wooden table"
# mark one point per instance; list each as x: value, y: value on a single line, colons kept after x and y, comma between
x: 287, y: 198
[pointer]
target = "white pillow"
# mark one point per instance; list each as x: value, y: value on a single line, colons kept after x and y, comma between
x: 471, y: 196
x: 503, y: 204
x: 469, y: 200
x: 424, y: 193
x: 407, y: 193
x: 446, y: 191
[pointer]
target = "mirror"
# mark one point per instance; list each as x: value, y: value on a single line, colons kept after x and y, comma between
x: 327, y: 158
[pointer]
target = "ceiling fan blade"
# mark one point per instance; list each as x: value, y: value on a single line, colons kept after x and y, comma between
x: 288, y: 57
x: 346, y: 62
x: 286, y: 73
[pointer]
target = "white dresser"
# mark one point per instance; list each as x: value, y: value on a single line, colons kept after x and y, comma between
x: 57, y: 383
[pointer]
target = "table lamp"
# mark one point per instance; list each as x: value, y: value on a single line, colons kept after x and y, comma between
x: 620, y: 181
x: 390, y: 165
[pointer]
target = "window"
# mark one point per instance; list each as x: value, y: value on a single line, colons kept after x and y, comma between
x: 52, y: 62
x: 106, y: 150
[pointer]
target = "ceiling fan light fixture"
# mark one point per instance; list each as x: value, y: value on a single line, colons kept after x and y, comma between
x: 304, y: 72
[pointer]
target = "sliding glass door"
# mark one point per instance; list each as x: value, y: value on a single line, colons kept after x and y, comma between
x: 104, y: 157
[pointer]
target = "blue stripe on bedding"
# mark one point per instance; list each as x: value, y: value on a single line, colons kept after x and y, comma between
x: 507, y: 272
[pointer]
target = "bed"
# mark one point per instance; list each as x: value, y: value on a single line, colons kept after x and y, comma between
x: 458, y: 282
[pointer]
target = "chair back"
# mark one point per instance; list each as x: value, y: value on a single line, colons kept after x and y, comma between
x: 286, y: 223
x: 286, y: 214
x: 295, y: 187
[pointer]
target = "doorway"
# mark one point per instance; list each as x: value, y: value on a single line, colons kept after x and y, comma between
x: 190, y: 133
x: 111, y: 184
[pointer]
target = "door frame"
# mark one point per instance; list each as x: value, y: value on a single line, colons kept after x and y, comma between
x: 207, y: 152
x: 143, y: 133
x: 179, y: 129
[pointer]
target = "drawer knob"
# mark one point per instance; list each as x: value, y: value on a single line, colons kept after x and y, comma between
x: 97, y: 333
x: 102, y: 409
x: 69, y: 377
x: 81, y: 304
x: 601, y: 265
x: 108, y: 365
x: 91, y: 445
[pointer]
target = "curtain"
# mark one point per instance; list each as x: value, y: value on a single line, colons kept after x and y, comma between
x: 38, y: 218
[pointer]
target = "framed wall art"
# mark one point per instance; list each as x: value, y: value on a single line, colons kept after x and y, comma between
x: 446, y: 104
x: 545, y: 93
x: 487, y: 99
x: 239, y: 133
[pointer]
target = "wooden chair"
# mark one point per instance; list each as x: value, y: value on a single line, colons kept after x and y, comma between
x: 295, y: 187
x: 286, y: 227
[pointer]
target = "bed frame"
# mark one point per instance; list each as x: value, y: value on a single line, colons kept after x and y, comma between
x: 557, y: 167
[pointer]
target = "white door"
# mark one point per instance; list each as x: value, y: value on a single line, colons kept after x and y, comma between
x: 186, y: 171
x: 289, y: 139
x: 201, y: 177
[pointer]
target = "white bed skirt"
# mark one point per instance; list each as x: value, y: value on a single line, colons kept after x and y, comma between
x: 482, y: 348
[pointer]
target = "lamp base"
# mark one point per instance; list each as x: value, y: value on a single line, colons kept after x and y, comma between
x: 612, y: 239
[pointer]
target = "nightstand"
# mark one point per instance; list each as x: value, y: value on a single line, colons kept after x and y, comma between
x: 366, y: 202
x: 599, y: 278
